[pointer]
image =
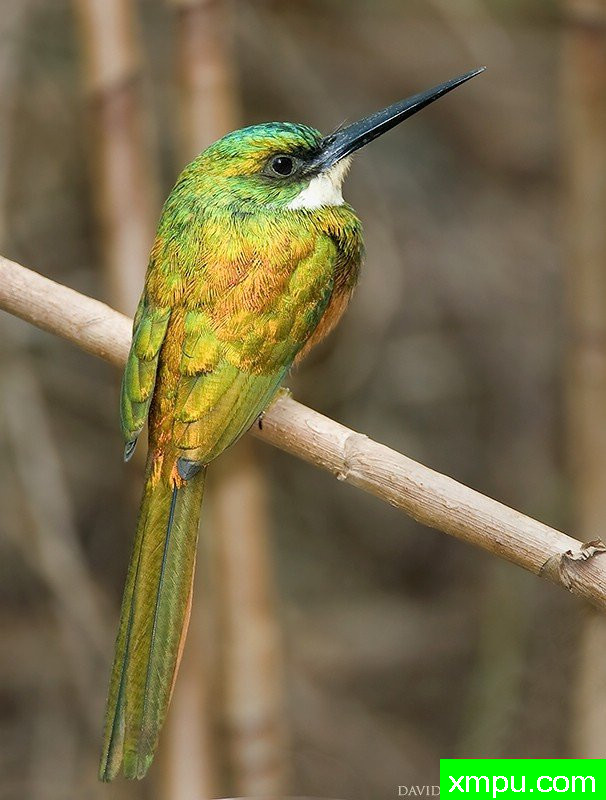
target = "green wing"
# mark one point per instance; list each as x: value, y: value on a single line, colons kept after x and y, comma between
x: 139, y: 379
x: 217, y: 401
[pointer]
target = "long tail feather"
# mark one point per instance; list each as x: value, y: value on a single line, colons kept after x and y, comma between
x: 153, y: 623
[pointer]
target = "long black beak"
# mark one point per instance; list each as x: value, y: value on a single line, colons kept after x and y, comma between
x: 347, y: 140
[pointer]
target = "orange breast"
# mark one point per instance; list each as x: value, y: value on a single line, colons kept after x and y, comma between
x: 334, y: 311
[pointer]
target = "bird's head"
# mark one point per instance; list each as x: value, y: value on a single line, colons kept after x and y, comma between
x: 282, y: 165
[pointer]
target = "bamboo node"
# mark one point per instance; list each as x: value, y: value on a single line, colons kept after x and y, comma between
x: 564, y: 568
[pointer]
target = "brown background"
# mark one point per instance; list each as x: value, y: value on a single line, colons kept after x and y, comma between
x: 400, y: 645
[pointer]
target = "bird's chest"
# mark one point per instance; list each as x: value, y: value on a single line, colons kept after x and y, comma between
x: 346, y: 237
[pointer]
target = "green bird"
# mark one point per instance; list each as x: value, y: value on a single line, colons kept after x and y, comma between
x: 255, y: 260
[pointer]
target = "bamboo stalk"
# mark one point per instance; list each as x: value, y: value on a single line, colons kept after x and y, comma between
x: 251, y: 708
x: 191, y: 764
x: 251, y: 666
x: 427, y: 496
x: 208, y: 104
x: 124, y: 186
x: 584, y: 150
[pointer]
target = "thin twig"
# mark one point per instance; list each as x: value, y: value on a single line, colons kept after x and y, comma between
x: 427, y: 496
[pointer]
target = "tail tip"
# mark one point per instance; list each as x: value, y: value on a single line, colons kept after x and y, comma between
x: 133, y: 765
x: 136, y: 765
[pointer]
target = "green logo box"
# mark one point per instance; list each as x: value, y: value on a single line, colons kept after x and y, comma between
x: 505, y: 778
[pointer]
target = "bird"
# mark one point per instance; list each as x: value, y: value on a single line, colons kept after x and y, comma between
x: 254, y: 262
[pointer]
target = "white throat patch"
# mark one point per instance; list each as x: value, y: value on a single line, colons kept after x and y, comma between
x: 324, y: 189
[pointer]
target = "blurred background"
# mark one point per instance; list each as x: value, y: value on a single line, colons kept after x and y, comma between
x: 336, y: 649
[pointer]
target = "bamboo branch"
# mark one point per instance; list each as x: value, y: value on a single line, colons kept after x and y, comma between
x: 584, y: 159
x: 427, y: 496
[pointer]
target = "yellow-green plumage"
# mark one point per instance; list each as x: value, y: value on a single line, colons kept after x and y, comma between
x: 238, y: 285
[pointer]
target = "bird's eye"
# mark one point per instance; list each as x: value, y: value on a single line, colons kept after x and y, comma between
x: 282, y: 166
